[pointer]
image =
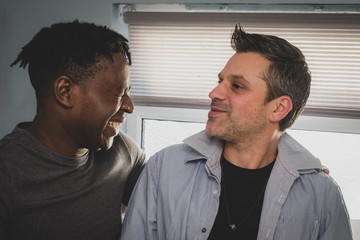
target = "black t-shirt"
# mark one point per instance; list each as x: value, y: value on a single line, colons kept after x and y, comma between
x: 241, y: 199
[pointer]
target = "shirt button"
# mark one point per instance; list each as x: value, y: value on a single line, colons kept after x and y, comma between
x: 203, y: 230
x: 215, y: 192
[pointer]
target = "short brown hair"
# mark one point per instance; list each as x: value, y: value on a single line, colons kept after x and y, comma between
x: 288, y: 73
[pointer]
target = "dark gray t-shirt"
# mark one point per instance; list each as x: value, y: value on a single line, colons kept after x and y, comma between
x: 45, y: 195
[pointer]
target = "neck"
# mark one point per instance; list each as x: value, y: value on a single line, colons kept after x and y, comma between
x: 253, y: 153
x: 54, y: 136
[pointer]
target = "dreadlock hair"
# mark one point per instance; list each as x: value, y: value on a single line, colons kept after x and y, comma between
x: 73, y: 49
x: 288, y: 74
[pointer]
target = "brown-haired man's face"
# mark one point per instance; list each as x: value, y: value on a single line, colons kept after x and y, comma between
x: 238, y: 108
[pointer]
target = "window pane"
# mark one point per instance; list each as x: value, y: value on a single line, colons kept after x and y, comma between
x: 158, y: 134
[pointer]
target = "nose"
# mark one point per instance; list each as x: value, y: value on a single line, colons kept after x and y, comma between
x: 127, y: 104
x: 218, y: 92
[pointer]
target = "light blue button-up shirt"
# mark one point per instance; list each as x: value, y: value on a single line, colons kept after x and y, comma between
x: 177, y: 195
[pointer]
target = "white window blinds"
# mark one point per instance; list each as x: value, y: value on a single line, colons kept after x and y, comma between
x: 177, y: 56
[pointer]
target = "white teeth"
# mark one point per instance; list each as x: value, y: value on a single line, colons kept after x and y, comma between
x: 114, y: 124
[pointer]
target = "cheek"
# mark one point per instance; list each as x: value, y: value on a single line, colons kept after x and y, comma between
x: 246, y: 104
x: 97, y: 109
x: 95, y: 115
x: 245, y: 111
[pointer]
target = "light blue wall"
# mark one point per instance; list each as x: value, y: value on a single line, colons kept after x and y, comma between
x: 21, y: 19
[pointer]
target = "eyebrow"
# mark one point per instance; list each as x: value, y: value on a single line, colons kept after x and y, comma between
x: 235, y: 77
x: 239, y: 77
x: 220, y: 76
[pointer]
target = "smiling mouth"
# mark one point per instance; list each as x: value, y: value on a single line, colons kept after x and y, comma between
x: 114, y: 124
x: 215, y: 109
x: 218, y: 106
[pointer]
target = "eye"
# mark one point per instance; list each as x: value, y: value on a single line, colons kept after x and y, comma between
x: 122, y: 92
x: 127, y: 92
x: 119, y: 95
x: 237, y: 86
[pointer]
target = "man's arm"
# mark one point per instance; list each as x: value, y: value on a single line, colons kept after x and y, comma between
x: 336, y: 222
x: 140, y: 218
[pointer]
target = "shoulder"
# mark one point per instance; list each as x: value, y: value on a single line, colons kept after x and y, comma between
x: 10, y: 140
x: 124, y: 150
x: 317, y: 191
x: 175, y: 160
x: 122, y: 142
x: 320, y: 186
x: 176, y: 153
x: 13, y: 144
x: 317, y: 179
x: 123, y: 138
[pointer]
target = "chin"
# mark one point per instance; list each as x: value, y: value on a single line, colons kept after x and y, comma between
x: 106, y: 144
x: 210, y: 132
x: 215, y: 132
x: 211, y: 128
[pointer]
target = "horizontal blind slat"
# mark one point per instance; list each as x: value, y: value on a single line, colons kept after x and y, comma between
x: 181, y: 62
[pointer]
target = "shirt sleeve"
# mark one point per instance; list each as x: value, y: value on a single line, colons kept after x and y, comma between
x: 140, y: 218
x: 336, y: 224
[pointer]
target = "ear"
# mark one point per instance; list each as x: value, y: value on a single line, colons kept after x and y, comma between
x: 281, y: 106
x: 64, y: 91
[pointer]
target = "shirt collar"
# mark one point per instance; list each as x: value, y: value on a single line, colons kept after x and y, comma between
x: 207, y: 146
x: 295, y: 156
x: 292, y: 154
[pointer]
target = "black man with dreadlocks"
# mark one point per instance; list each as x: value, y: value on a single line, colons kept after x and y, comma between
x: 66, y: 174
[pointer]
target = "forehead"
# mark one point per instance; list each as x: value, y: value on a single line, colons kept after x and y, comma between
x: 247, y: 65
x: 114, y: 72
